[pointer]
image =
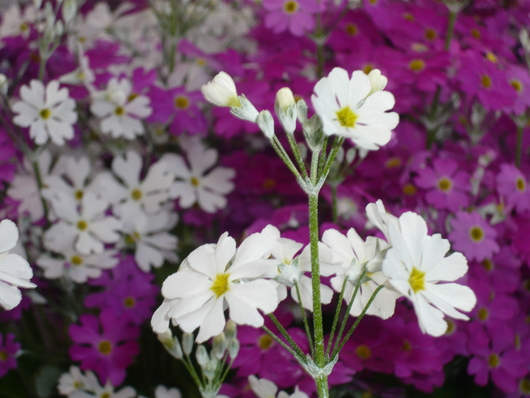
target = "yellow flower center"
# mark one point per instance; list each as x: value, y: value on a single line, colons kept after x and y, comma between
x: 408, y: 16
x: 493, y: 360
x: 82, y: 225
x: 487, y: 264
x: 352, y: 29
x: 491, y: 57
x: 346, y: 117
x: 367, y: 68
x: 3, y: 355
x: 526, y: 285
x: 200, y: 61
x: 105, y: 395
x: 485, y: 80
x: 265, y: 341
x: 409, y: 189
x: 483, y: 314
x: 136, y: 194
x: 445, y: 184
x: 450, y: 327
x: 290, y: 6
x: 220, y: 285
x: 476, y: 233
x: 105, y: 347
x: 406, y: 346
x: 119, y: 111
x: 131, y: 97
x: 129, y: 302
x: 45, y: 114
x: 417, y: 280
x: 430, y: 34
x: 78, y: 194
x: 194, y: 181
x: 520, y: 184
x: 524, y: 385
x: 417, y: 65
x: 363, y: 351
x: 517, y: 85
x: 475, y: 33
x: 182, y: 102
x: 392, y: 163
x: 76, y: 260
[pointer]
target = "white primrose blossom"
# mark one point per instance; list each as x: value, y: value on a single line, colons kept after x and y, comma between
x: 76, y: 266
x: 291, y: 269
x: 215, y: 277
x: 15, y: 270
x: 416, y: 263
x: 199, y: 182
x: 88, y: 228
x: 353, y: 254
x: 77, y: 384
x: 150, y: 237
x: 134, y: 194
x: 355, y: 108
x: 25, y: 188
x: 120, y: 109
x: 221, y: 91
x: 264, y: 388
x: 48, y: 112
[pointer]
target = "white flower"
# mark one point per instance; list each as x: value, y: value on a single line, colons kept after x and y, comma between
x: 121, y: 110
x: 15, y: 23
x: 132, y: 195
x: 163, y: 392
x: 199, y: 183
x: 88, y: 229
x: 215, y: 277
x: 25, y: 189
x: 48, y: 114
x: 75, y: 383
x: 148, y: 232
x: 347, y: 108
x: 76, y: 266
x: 416, y: 263
x: 15, y: 271
x: 221, y: 91
x: 353, y: 254
x: 378, y: 216
x: 264, y: 388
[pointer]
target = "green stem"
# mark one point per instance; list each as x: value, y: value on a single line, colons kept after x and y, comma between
x: 318, y: 324
x: 519, y: 144
x: 287, y: 336
x: 332, y: 155
x: 336, y: 318
x: 304, y: 318
x: 359, y: 318
x: 322, y: 386
x: 297, y: 154
x: 277, y: 146
x: 283, y: 344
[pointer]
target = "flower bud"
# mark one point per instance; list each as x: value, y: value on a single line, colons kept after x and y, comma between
x: 266, y: 124
x: 377, y: 81
x: 187, y: 343
x: 233, y: 348
x: 230, y: 330
x: 285, y: 108
x: 219, y: 346
x: 221, y: 91
x: 245, y: 110
x: 3, y: 84
x: 202, y: 355
x: 284, y: 99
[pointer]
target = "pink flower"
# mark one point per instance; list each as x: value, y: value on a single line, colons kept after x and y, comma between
x: 293, y: 15
x: 473, y: 236
x: 447, y: 186
x: 106, y: 345
x: 8, y: 350
x: 513, y: 187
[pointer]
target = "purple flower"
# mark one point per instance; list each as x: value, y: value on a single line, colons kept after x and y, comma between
x: 447, y: 185
x: 293, y: 15
x: 8, y: 351
x: 513, y: 187
x: 473, y: 236
x: 501, y: 361
x: 106, y: 345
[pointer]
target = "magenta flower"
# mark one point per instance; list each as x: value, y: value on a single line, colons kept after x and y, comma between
x: 519, y: 78
x: 473, y: 236
x: 106, y: 345
x: 293, y: 15
x: 447, y: 186
x: 513, y: 187
x: 8, y: 350
x: 501, y: 361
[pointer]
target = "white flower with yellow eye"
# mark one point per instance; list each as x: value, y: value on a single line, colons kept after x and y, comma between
x: 215, y: 277
x: 121, y: 110
x: 48, y: 112
x: 15, y: 271
x: 355, y: 108
x: 416, y: 263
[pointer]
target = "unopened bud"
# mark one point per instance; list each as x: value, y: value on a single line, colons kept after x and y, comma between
x: 187, y: 343
x: 221, y: 91
x: 219, y: 346
x: 246, y: 111
x: 4, y: 85
x: 202, y: 356
x: 69, y: 10
x: 233, y: 348
x: 230, y: 330
x: 284, y: 99
x: 301, y: 110
x: 266, y: 124
x: 377, y: 81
